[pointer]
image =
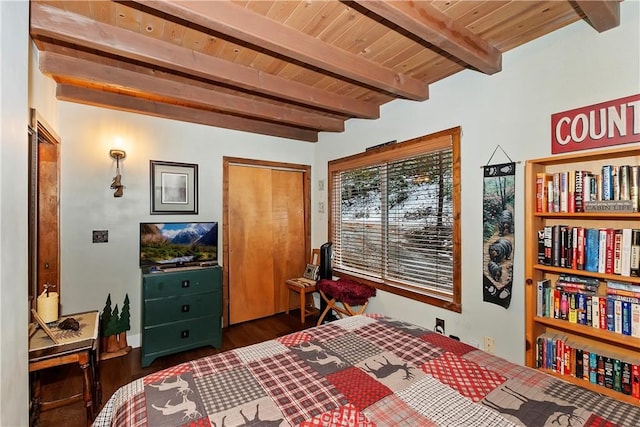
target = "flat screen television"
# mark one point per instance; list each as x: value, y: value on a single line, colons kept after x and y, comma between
x: 169, y: 244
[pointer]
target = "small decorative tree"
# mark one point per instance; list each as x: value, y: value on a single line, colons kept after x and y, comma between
x: 125, y: 324
x: 105, y: 319
x: 112, y: 330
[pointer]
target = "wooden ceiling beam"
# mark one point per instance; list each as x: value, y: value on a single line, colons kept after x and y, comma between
x: 243, y: 24
x: 68, y: 27
x: 63, y: 65
x: 603, y: 15
x: 431, y: 25
x: 132, y: 104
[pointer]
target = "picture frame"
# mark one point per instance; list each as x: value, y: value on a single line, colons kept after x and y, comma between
x: 174, y: 188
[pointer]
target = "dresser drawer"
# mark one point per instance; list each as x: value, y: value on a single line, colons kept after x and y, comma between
x: 178, y: 336
x: 181, y: 283
x: 182, y: 307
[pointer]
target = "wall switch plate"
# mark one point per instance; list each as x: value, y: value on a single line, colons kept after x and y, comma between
x: 440, y: 326
x: 321, y: 207
x: 100, y: 236
x: 321, y: 184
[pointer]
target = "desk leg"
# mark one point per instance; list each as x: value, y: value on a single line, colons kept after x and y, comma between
x: 97, y: 387
x: 37, y: 397
x: 85, y: 364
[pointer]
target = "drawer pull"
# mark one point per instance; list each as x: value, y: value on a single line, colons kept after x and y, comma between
x: 185, y: 308
x: 184, y: 334
x: 185, y: 283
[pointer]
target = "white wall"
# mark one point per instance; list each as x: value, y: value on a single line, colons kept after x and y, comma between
x: 569, y: 68
x: 14, y: 47
x: 91, y: 271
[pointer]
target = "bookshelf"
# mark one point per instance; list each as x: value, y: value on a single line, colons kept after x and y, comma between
x: 583, y: 336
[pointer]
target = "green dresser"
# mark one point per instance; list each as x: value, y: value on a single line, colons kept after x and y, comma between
x: 181, y: 310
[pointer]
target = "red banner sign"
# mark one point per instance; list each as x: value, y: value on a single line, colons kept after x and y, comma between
x: 599, y: 125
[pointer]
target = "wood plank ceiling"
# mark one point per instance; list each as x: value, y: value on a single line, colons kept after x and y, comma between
x: 284, y: 68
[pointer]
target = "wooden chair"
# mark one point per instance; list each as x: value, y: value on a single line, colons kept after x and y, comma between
x: 303, y: 287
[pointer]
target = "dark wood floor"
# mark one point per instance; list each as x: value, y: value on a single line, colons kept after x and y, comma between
x: 114, y: 373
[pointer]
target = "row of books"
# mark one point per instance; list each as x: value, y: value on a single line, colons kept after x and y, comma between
x: 560, y: 354
x: 600, y: 250
x: 574, y: 190
x: 616, y: 310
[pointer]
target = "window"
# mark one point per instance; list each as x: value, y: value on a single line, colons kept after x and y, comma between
x: 394, y: 218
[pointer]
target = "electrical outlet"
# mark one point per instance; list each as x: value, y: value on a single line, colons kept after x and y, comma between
x: 440, y: 326
x: 321, y: 207
x: 489, y: 345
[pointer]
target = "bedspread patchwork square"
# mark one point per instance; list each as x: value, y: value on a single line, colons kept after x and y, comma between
x: 295, y: 338
x: 167, y: 373
x: 392, y: 411
x: 416, y: 331
x: 359, y: 388
x: 174, y: 401
x: 445, y: 407
x: 390, y: 370
x: 531, y: 406
x: 344, y: 416
x: 327, y: 332
x: 260, y: 412
x: 403, y: 345
x: 466, y: 377
x: 216, y: 388
x: 319, y: 358
x: 133, y: 412
x: 452, y: 346
x: 260, y: 350
x: 214, y: 364
x: 298, y: 390
x: 352, y: 348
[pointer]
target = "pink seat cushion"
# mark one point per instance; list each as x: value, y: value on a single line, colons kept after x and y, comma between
x: 353, y: 293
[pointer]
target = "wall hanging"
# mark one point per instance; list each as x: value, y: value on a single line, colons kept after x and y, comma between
x: 498, y: 231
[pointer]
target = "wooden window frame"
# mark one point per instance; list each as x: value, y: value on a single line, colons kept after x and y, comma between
x: 449, y: 138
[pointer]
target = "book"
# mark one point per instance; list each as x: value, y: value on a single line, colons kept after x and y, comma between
x: 571, y: 191
x: 541, y: 247
x: 602, y: 249
x: 556, y: 192
x: 623, y: 286
x: 617, y: 373
x: 624, y: 175
x: 609, y: 250
x: 607, y: 184
x: 592, y: 248
x: 617, y: 316
x: 602, y: 310
x: 548, y: 244
x: 595, y: 311
x: 615, y: 183
x: 580, y: 248
x: 634, y: 263
x: 542, y: 191
x: 564, y: 192
x: 565, y: 246
x: 634, y: 187
x: 635, y: 379
x: 551, y: 195
x: 625, y: 377
x: 626, y: 318
x: 625, y: 255
x: 573, y: 278
x: 610, y: 314
x: 541, y: 303
x: 579, y: 191
x: 635, y: 320
x: 556, y: 245
x: 617, y: 251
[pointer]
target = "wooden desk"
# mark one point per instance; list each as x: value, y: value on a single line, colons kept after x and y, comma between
x: 80, y: 347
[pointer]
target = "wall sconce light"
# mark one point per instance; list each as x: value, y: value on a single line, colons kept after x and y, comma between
x: 117, y: 180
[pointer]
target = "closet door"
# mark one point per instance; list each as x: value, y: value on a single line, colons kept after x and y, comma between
x: 266, y: 238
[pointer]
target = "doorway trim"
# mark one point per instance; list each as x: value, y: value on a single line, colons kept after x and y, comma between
x: 228, y: 161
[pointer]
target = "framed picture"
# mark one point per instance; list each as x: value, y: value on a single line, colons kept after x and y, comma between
x: 174, y: 188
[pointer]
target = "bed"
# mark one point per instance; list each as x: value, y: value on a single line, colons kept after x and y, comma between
x: 367, y: 370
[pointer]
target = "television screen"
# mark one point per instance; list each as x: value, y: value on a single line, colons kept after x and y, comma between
x: 178, y: 243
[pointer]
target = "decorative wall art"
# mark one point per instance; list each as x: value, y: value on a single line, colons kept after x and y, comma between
x: 174, y: 188
x: 498, y: 233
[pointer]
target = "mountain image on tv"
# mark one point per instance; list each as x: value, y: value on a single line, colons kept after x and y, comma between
x: 178, y: 243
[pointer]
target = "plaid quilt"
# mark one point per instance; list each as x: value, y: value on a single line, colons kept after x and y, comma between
x: 365, y: 370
